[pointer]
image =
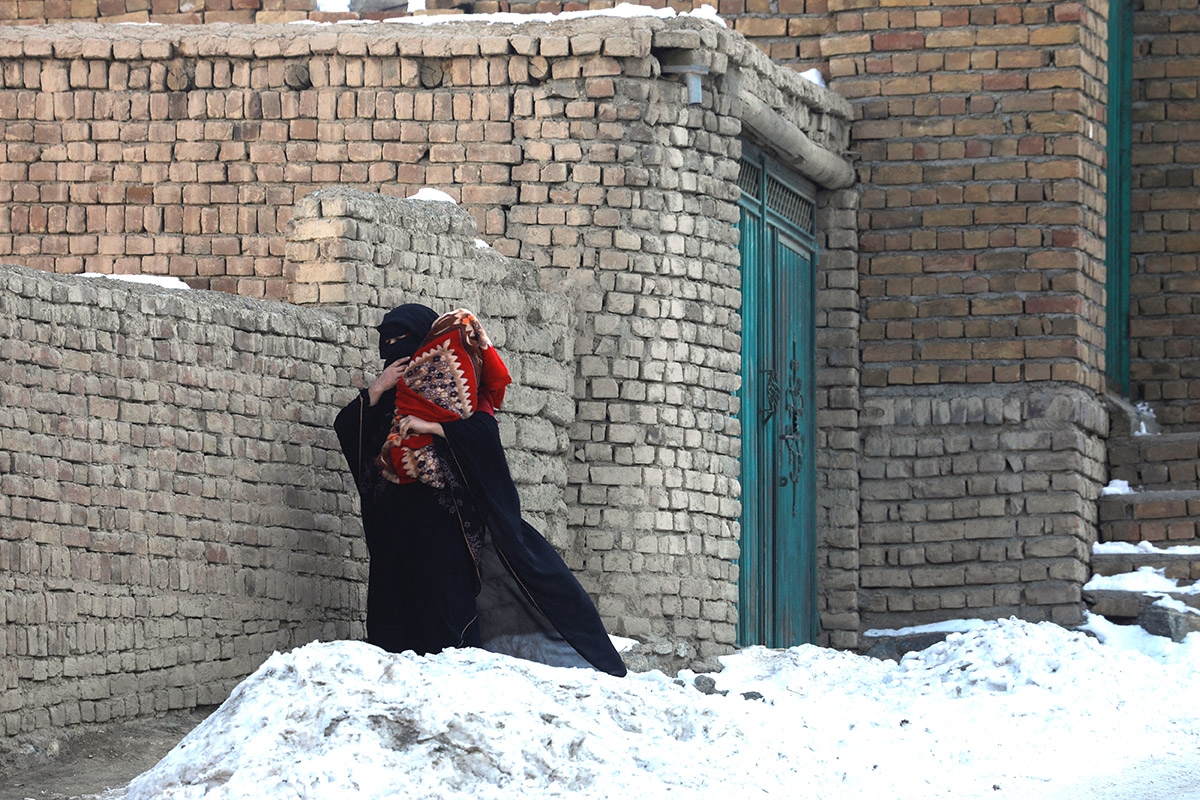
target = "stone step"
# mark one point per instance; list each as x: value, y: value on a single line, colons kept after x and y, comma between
x: 1168, y: 517
x: 1134, y: 607
x: 1178, y: 566
x: 1163, y: 461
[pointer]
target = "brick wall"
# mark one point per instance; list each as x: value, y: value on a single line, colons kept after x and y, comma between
x: 981, y: 137
x: 979, y: 505
x: 1165, y: 350
x: 839, y: 401
x: 173, y: 12
x: 172, y: 506
x: 567, y: 149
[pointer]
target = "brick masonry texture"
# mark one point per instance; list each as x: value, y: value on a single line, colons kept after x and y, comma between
x: 981, y: 142
x: 1165, y: 315
x: 980, y: 505
x: 608, y: 202
x: 978, y: 131
x: 174, y: 12
x: 172, y: 505
x: 175, y: 506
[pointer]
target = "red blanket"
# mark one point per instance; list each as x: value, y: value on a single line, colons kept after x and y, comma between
x: 454, y: 373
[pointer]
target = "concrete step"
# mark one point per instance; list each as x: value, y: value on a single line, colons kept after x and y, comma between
x: 1159, y: 462
x: 1166, y: 517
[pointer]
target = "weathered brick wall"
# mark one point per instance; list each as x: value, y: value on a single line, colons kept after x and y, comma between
x: 980, y: 130
x: 838, y: 400
x: 172, y: 504
x: 356, y: 255
x: 172, y: 12
x: 1164, y: 348
x: 568, y: 150
x: 979, y: 505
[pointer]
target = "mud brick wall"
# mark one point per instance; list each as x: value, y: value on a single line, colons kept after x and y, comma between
x: 1164, y: 311
x: 357, y: 255
x: 172, y: 12
x: 172, y: 500
x: 567, y: 148
x: 174, y: 505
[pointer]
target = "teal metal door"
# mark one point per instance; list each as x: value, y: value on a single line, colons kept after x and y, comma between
x: 777, y: 566
x: 1117, y: 258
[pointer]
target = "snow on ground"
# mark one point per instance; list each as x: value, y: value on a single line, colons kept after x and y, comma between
x: 1005, y: 710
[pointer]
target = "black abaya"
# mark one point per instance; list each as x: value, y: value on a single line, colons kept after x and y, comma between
x: 458, y: 566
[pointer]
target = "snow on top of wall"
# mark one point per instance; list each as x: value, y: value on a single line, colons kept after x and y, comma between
x: 165, y: 281
x: 624, y: 10
x: 430, y: 195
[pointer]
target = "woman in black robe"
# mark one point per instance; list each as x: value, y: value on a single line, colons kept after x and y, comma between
x: 457, y: 566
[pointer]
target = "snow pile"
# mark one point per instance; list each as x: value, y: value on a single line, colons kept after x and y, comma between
x: 1011, y: 655
x: 347, y: 719
x: 1007, y: 710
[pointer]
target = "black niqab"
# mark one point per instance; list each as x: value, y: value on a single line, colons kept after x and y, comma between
x: 411, y: 321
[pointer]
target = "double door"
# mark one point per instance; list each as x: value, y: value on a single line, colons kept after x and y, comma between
x: 777, y: 564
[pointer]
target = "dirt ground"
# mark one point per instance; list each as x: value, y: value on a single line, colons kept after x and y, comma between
x: 101, y: 759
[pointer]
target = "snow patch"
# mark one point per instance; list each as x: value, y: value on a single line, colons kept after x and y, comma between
x: 814, y: 76
x: 1117, y: 486
x: 1146, y: 579
x: 433, y: 196
x: 165, y: 281
x: 1175, y: 605
x: 949, y: 626
x: 1131, y: 548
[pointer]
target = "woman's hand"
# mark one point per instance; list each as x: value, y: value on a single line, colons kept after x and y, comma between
x: 414, y: 426
x: 387, y: 379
